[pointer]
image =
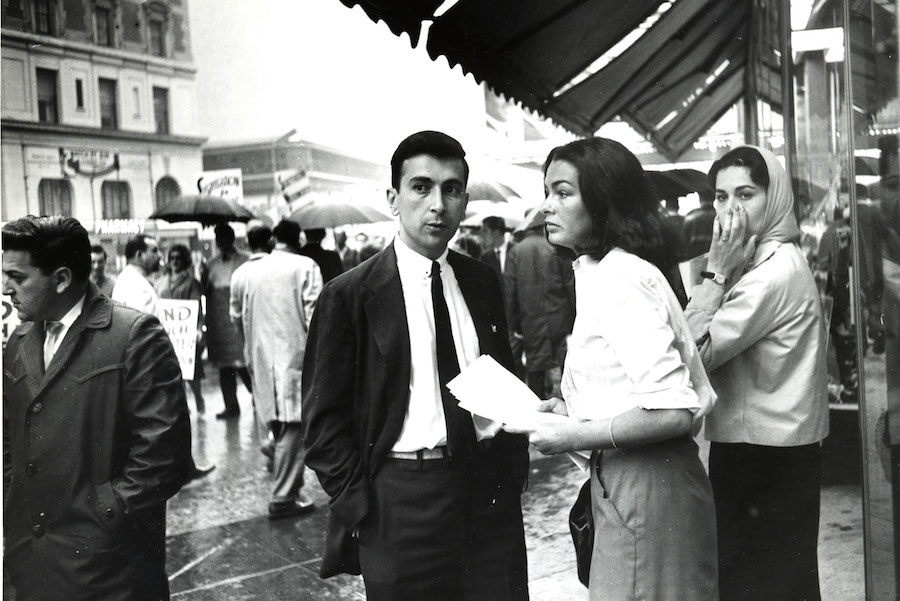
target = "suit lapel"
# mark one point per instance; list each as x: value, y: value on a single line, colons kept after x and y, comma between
x: 477, y: 302
x: 386, y: 313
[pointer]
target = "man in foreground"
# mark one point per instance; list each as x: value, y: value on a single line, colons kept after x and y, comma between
x: 96, y: 428
x: 425, y: 501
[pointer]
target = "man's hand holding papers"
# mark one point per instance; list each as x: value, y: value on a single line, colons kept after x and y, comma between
x: 486, y: 389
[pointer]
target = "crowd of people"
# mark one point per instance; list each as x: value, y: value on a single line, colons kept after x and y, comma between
x: 348, y: 353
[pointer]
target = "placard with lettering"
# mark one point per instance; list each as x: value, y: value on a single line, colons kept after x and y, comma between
x: 179, y: 318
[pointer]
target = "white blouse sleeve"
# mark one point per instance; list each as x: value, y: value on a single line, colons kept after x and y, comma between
x: 634, y: 321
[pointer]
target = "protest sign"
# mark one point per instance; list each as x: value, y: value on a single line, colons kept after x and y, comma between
x: 179, y: 318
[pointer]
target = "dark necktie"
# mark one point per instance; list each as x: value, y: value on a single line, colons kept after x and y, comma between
x: 460, y: 429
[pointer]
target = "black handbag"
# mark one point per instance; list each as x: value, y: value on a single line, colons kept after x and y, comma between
x: 581, y: 525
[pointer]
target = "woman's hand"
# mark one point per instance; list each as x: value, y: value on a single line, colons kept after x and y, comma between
x: 548, y: 438
x: 553, y: 405
x: 729, y: 252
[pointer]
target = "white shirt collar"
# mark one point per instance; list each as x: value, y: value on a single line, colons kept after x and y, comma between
x: 412, y: 264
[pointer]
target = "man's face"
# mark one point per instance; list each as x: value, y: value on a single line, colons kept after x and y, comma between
x: 98, y: 265
x: 430, y: 202
x: 491, y: 238
x: 150, y: 258
x: 33, y: 294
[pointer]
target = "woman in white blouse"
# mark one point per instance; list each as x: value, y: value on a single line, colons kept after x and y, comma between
x: 757, y: 320
x: 632, y: 378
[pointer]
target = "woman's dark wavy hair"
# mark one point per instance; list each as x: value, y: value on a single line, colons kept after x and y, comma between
x: 742, y: 156
x: 621, y: 201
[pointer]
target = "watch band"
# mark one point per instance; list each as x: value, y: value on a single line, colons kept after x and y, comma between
x: 718, y: 278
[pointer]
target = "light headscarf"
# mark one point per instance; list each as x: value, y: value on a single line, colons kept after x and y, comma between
x: 779, y: 222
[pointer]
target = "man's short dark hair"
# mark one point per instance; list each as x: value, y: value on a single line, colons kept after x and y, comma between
x: 258, y: 237
x: 315, y: 235
x: 52, y: 242
x: 136, y: 244
x: 287, y: 232
x: 494, y: 223
x: 99, y: 250
x: 224, y: 234
x: 432, y: 143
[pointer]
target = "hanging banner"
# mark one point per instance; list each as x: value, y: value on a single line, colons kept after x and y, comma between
x: 88, y: 163
x: 179, y: 318
x: 224, y: 183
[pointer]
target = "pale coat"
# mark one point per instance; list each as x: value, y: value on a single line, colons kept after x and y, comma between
x: 272, y: 302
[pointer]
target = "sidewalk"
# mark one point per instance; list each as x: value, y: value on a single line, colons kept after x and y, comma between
x: 223, y: 547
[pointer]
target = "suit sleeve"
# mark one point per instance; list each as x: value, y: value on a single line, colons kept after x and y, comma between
x: 329, y: 367
x: 511, y: 291
x: 156, y: 419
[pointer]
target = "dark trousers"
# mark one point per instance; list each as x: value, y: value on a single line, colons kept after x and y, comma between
x: 435, y: 532
x: 228, y: 384
x: 767, y: 514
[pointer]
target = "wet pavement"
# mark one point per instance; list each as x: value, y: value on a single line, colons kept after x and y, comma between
x: 223, y: 547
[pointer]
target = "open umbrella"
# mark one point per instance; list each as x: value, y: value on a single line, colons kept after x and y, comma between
x: 490, y: 190
x: 675, y: 183
x: 477, y: 210
x: 321, y: 213
x: 208, y: 210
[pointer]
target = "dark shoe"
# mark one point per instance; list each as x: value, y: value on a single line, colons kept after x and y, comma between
x: 228, y: 414
x: 200, y: 472
x: 290, y: 509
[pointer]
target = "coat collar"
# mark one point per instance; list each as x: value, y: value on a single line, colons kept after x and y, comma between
x: 96, y: 314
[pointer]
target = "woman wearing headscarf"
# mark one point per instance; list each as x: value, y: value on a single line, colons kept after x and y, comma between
x: 757, y: 320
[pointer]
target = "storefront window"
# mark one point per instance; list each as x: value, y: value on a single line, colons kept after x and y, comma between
x: 847, y: 116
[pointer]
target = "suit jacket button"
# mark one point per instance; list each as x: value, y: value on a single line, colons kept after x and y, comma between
x: 37, y: 407
x: 37, y: 531
x: 109, y: 512
x: 30, y: 469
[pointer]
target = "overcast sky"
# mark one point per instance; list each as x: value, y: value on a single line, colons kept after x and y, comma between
x: 268, y: 66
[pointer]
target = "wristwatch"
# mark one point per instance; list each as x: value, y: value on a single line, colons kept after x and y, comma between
x: 718, y: 278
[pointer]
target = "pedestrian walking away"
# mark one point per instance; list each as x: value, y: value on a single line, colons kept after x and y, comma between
x: 272, y: 301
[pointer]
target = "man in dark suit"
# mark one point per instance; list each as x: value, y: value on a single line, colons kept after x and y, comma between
x: 493, y: 237
x: 329, y: 261
x: 96, y: 430
x: 425, y: 501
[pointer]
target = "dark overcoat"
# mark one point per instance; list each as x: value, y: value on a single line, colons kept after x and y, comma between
x: 93, y: 448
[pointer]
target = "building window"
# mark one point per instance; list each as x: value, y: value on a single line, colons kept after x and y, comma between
x: 116, y: 200
x: 161, y: 109
x: 79, y: 94
x: 157, y: 31
x: 14, y: 9
x: 109, y: 109
x: 105, y: 26
x: 55, y: 197
x: 167, y: 190
x: 46, y: 96
x: 44, y: 21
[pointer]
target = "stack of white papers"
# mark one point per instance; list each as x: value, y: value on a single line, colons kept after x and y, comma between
x: 486, y: 389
